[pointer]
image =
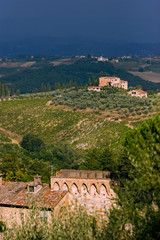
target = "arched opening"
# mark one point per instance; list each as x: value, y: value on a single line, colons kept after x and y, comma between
x: 65, y: 187
x: 84, y: 190
x: 74, y: 189
x: 103, y: 190
x: 56, y: 186
x: 94, y: 190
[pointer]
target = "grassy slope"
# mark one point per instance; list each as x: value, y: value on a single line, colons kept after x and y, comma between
x: 55, y: 124
x: 4, y: 138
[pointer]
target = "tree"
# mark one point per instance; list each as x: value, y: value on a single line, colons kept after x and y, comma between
x: 48, y: 89
x: 100, y: 159
x: 35, y: 90
x: 12, y: 90
x: 139, y: 87
x: 2, y: 89
x: 150, y: 92
x: 92, y: 160
x: 43, y: 88
x: 32, y: 143
x: 6, y: 91
x: 140, y: 203
x: 94, y: 81
x: 107, y: 160
x: 89, y: 82
x: 141, y: 69
x: 17, y: 92
x: 101, y: 74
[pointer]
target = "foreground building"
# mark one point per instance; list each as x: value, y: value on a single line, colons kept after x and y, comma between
x: 17, y: 197
x: 68, y: 188
x: 87, y: 188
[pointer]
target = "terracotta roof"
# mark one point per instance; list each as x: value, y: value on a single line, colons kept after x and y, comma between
x: 16, y: 194
x: 123, y: 81
x: 140, y: 91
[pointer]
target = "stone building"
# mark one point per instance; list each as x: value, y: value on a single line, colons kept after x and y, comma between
x: 90, y: 189
x: 113, y: 81
x: 96, y: 88
x: 17, y: 197
x: 138, y: 93
x: 109, y: 81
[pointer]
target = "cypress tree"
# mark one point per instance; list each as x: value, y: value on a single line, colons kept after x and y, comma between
x: 3, y: 89
x: 0, y: 90
x: 12, y: 90
x: 48, y: 89
x: 6, y: 91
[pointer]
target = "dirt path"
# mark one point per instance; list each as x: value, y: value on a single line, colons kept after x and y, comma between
x: 48, y: 103
x: 15, y: 138
x: 130, y: 126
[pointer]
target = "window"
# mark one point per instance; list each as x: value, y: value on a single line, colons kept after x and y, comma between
x: 31, y: 189
x: 44, y: 215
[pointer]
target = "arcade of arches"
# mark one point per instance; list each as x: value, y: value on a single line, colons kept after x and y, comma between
x: 93, y: 192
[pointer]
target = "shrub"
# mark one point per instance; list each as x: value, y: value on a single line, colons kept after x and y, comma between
x: 108, y: 115
x: 32, y: 143
x: 146, y: 112
x: 139, y: 113
x: 2, y: 226
x: 116, y: 118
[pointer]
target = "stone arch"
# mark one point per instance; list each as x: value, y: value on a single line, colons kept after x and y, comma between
x: 84, y: 190
x: 93, y: 190
x: 74, y: 189
x: 56, y: 186
x: 103, y: 190
x: 65, y: 187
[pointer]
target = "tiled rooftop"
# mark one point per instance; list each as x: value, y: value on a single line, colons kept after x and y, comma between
x: 16, y: 194
x: 140, y: 91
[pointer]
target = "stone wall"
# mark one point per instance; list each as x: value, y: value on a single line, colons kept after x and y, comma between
x: 94, y: 192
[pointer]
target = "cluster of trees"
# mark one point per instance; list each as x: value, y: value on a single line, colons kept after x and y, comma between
x: 62, y: 75
x: 21, y: 164
x: 137, y: 171
x: 6, y: 92
x: 111, y: 99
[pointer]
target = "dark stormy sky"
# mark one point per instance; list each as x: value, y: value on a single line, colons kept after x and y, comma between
x: 108, y: 20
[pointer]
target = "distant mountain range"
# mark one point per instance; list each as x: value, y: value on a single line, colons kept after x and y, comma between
x: 72, y: 47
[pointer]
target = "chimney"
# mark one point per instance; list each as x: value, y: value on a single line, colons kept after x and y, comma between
x: 1, y: 180
x: 37, y: 180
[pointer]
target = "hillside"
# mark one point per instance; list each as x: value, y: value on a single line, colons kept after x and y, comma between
x: 54, y: 124
x: 78, y: 73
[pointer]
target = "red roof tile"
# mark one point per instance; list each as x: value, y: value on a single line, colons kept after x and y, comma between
x: 16, y: 194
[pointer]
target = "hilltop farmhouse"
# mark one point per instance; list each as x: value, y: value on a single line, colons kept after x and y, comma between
x: 113, y: 81
x: 68, y: 188
x: 109, y: 81
x: 138, y: 93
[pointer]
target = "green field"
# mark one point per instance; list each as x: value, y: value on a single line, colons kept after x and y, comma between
x: 4, y: 138
x: 56, y: 124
